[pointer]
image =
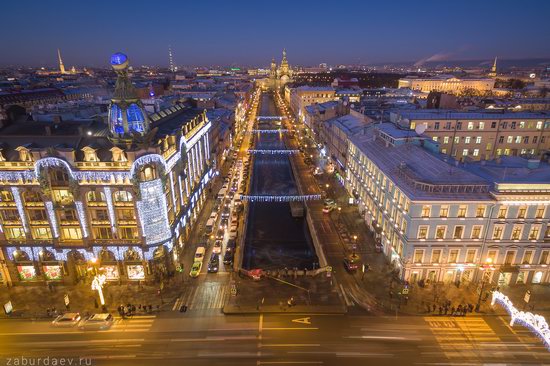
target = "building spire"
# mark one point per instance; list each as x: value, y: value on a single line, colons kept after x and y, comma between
x: 61, y: 66
x: 173, y: 68
x: 493, y: 72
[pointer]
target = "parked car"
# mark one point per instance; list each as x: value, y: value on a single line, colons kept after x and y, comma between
x: 214, y: 263
x: 217, y: 247
x: 101, y: 321
x: 67, y: 320
x: 196, y: 269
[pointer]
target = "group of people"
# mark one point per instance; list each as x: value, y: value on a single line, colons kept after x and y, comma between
x: 447, y: 309
x: 130, y: 309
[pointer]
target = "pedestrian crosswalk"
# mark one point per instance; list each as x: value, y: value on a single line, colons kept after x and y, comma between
x: 206, y: 296
x: 140, y: 323
x: 462, y: 337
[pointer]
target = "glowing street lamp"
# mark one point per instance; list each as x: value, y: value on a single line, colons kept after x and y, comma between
x: 97, y: 285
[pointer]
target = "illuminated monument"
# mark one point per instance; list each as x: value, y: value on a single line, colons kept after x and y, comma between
x: 278, y: 76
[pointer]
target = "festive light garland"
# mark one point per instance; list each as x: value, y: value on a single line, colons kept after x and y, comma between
x: 258, y: 118
x: 153, y: 212
x: 53, y: 218
x: 20, y: 209
x: 536, y: 323
x: 268, y: 131
x: 148, y: 159
x: 82, y: 217
x: 110, y: 208
x: 274, y: 152
x: 297, y: 198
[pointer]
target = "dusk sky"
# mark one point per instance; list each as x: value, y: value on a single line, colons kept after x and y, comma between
x: 252, y: 32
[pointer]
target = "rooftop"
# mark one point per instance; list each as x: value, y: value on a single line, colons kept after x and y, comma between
x: 452, y: 114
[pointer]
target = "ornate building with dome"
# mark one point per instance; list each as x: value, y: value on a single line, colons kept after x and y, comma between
x: 278, y: 76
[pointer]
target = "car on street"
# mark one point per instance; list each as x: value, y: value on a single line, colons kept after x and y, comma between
x: 327, y: 209
x: 214, y: 263
x: 217, y: 247
x: 228, y: 257
x: 67, y: 320
x: 226, y: 211
x: 101, y: 321
x: 224, y: 222
x: 199, y: 253
x: 196, y: 269
x: 352, y: 263
x: 220, y: 234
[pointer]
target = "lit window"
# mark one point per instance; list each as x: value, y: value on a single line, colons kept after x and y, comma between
x: 423, y: 232
x: 462, y: 211
x: 444, y: 211
x: 71, y: 233
x: 534, y: 233
x: 467, y: 139
x: 516, y: 232
x: 41, y: 233
x: 426, y: 211
x: 470, y: 256
x: 436, y: 255
x: 497, y: 233
x: 465, y: 152
x: 418, y: 255
x: 453, y: 255
x: 476, y: 152
x: 14, y: 233
x: 478, y: 139
x: 440, y: 232
x: 470, y: 125
x: 459, y: 230
x: 521, y: 212
x: 122, y: 196
x: 476, y: 232
x: 446, y: 139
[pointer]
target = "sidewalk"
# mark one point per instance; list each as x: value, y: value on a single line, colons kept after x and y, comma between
x: 32, y: 301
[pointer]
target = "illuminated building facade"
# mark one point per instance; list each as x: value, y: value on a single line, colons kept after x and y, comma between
x: 121, y: 198
x: 449, y: 84
x: 442, y: 222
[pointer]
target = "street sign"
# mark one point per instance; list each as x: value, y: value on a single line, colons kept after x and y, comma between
x: 527, y: 296
x: 66, y: 299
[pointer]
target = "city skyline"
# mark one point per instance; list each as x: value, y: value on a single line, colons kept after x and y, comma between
x: 438, y: 33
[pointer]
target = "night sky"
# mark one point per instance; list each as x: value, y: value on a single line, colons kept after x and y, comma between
x: 252, y: 32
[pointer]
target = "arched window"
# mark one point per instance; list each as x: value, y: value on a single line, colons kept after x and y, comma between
x: 94, y: 196
x: 122, y: 196
x: 148, y: 172
x: 135, y: 118
x: 116, y: 119
x: 59, y: 176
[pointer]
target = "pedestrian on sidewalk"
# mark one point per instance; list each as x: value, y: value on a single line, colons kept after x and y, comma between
x: 452, y: 311
x: 440, y: 310
x: 133, y: 309
x: 459, y: 310
x: 434, y: 308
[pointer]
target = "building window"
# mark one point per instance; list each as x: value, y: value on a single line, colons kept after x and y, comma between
x: 71, y: 233
x: 476, y: 152
x: 440, y: 232
x: 459, y: 125
x: 68, y: 215
x: 489, y: 146
x: 493, y: 125
x: 480, y: 211
x: 418, y: 255
x: 478, y: 140
x: 539, y: 214
x: 426, y: 211
x: 513, y: 125
x: 457, y: 139
x: 453, y: 255
x: 126, y: 214
x: 444, y: 211
x: 502, y: 212
x: 492, y: 256
x: 423, y: 232
x: 100, y: 215
x: 510, y: 139
x: 128, y: 233
x: 534, y: 233
x: 516, y: 232
x: 102, y: 233
x: 37, y: 215
x: 436, y: 126
x: 10, y: 214
x: 6, y: 196
x: 31, y: 196
x: 544, y: 257
x: 497, y: 232
x: 459, y: 230
x: 147, y: 173
x: 539, y: 125
x: 41, y: 233
x: 436, y: 255
x: 509, y: 259
x: 476, y: 232
x: 481, y: 125
x: 14, y: 233
x: 446, y: 139
x: 518, y: 139
x: 464, y: 152
x: 122, y: 196
x: 470, y: 256
x: 467, y: 139
x: 527, y: 256
x: 501, y: 139
x: 470, y: 125
x: 462, y: 211
x: 94, y: 196
x: 521, y: 212
x: 62, y: 196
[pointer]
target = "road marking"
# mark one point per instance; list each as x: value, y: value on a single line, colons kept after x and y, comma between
x: 177, y: 303
x: 383, y: 337
x: 291, y: 345
x: 306, y: 320
x: 308, y: 328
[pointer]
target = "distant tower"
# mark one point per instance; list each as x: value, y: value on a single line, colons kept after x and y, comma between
x: 173, y: 68
x: 126, y: 113
x: 493, y: 72
x: 61, y: 66
x: 273, y: 72
x: 284, y: 65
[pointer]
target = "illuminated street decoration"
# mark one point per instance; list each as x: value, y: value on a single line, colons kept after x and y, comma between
x: 261, y: 198
x: 148, y: 159
x: 268, y: 131
x: 259, y: 118
x: 82, y: 217
x: 20, y: 209
x: 153, y: 213
x: 110, y: 209
x: 53, y: 219
x: 274, y: 152
x: 97, y: 285
x: 536, y: 323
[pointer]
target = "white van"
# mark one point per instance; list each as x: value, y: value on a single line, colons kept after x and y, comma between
x: 221, y: 193
x: 209, y: 226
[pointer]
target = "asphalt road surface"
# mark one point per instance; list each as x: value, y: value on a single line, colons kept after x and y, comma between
x: 206, y: 337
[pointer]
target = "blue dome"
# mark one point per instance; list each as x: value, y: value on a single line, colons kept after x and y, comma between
x: 118, y: 58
